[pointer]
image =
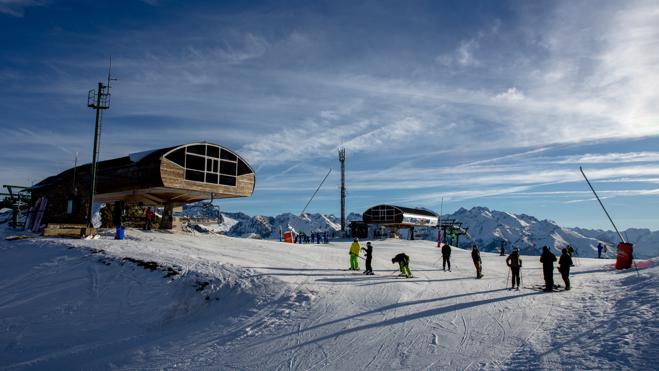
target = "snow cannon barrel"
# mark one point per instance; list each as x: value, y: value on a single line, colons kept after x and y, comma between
x: 625, y: 255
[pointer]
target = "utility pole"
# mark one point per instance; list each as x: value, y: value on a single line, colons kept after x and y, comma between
x: 97, y: 100
x: 342, y: 159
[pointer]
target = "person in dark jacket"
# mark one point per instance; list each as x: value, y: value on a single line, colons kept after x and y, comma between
x: 564, y: 264
x: 600, y: 247
x: 446, y: 257
x: 478, y: 263
x: 369, y: 257
x: 502, y: 252
x: 547, y: 259
x: 515, y: 264
x: 403, y: 263
x: 570, y: 250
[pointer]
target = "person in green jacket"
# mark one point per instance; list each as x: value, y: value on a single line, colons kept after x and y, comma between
x: 354, y: 254
x: 404, y: 264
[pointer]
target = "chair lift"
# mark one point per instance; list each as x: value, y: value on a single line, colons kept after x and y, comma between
x: 213, y: 209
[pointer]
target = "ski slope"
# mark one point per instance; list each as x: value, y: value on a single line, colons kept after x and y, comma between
x: 227, y: 303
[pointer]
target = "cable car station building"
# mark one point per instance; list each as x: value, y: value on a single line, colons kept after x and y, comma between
x: 168, y: 177
x: 398, y: 217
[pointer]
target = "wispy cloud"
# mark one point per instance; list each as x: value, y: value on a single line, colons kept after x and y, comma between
x: 17, y: 8
x: 613, y: 157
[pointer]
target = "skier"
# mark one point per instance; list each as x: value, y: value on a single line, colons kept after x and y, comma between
x: 403, y: 263
x: 599, y: 250
x: 564, y: 264
x: 148, y: 215
x: 478, y: 263
x: 354, y: 253
x: 515, y: 264
x: 446, y: 257
x: 502, y: 252
x: 369, y: 257
x: 570, y: 250
x: 547, y: 259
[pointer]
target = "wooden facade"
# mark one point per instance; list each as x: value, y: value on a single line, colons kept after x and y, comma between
x: 167, y: 177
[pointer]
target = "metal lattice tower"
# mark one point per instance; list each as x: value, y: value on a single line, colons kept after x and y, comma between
x: 342, y: 159
x: 97, y: 100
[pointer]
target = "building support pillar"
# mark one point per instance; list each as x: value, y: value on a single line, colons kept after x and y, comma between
x: 166, y: 222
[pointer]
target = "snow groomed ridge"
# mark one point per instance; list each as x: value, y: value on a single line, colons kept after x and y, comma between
x: 250, y: 304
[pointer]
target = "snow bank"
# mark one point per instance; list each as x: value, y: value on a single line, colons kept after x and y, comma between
x: 98, y: 304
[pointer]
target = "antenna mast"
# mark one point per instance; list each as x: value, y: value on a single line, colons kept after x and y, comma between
x: 98, y: 100
x: 342, y: 159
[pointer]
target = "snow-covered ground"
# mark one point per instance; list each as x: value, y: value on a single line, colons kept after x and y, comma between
x: 227, y: 303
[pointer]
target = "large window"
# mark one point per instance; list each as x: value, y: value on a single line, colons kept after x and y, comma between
x: 208, y: 163
x: 383, y: 214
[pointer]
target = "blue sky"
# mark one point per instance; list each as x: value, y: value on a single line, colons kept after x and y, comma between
x: 487, y: 103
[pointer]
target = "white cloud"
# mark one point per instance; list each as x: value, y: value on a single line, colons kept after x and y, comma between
x: 247, y: 46
x: 510, y: 96
x: 463, y: 55
x: 613, y: 157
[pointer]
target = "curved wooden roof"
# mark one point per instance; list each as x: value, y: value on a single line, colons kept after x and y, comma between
x: 180, y: 174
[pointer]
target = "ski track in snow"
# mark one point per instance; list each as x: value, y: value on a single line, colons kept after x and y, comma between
x: 274, y: 306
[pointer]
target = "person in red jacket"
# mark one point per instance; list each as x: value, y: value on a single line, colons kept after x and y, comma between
x: 148, y: 215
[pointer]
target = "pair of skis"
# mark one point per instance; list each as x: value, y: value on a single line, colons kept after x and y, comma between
x: 35, y: 215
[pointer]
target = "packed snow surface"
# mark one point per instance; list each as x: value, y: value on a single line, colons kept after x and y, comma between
x: 205, y: 301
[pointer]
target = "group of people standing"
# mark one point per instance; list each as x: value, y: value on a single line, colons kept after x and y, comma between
x: 513, y: 261
x: 316, y: 237
x: 402, y: 259
x: 547, y: 258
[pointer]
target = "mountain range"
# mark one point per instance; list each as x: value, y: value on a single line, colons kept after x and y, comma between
x: 488, y: 229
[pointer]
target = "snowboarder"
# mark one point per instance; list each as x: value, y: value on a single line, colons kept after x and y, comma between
x: 515, y: 264
x: 403, y: 263
x: 502, y: 252
x: 564, y: 264
x: 547, y: 259
x: 478, y: 263
x: 148, y: 215
x: 369, y: 257
x: 599, y: 250
x: 354, y: 254
x: 446, y: 257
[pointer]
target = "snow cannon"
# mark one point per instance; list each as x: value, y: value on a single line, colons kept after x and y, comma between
x: 625, y: 256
